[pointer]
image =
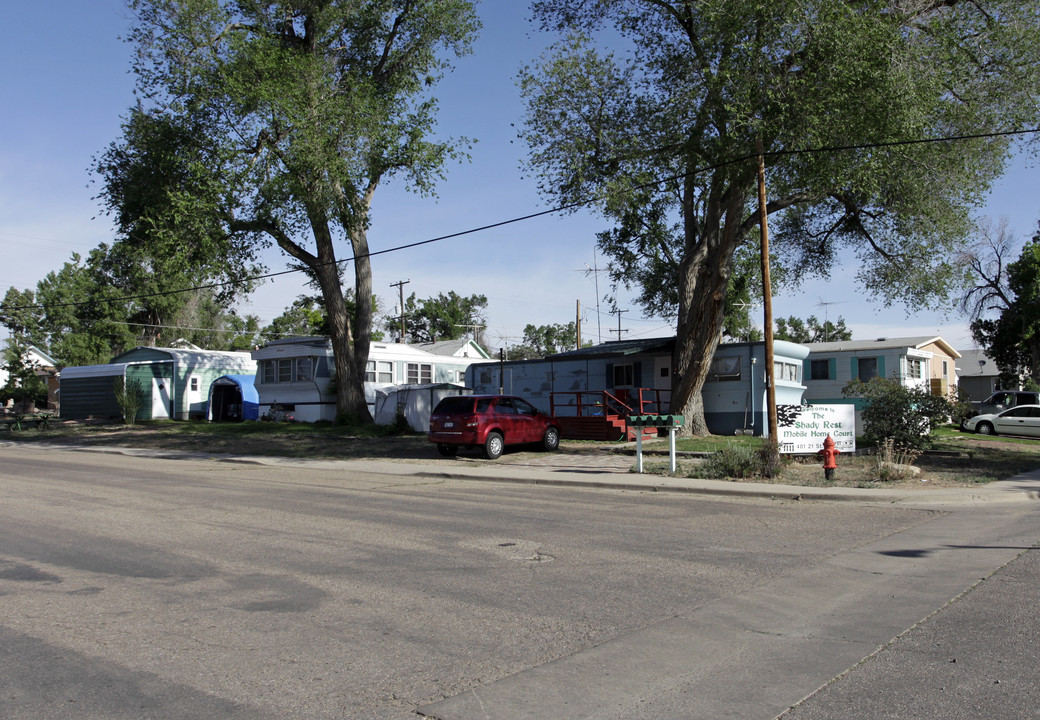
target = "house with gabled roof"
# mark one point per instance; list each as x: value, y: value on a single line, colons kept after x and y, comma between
x: 926, y: 362
x: 44, y: 367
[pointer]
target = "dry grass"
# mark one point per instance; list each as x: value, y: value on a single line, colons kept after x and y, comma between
x: 958, y: 458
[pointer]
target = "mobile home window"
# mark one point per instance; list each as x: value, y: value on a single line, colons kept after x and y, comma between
x: 867, y: 369
x: 624, y: 376
x: 420, y: 373
x: 785, y: 371
x: 194, y: 384
x: 914, y: 368
x: 304, y: 370
x: 725, y: 368
x: 285, y: 370
x: 820, y: 370
x: 269, y: 369
x: 379, y: 371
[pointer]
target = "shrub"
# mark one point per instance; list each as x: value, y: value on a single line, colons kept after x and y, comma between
x: 907, y: 415
x: 894, y: 462
x: 130, y: 398
x: 743, y: 462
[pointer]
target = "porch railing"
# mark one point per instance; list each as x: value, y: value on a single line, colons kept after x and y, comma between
x: 621, y: 402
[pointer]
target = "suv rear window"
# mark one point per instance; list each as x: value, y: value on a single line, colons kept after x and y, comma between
x: 455, y: 405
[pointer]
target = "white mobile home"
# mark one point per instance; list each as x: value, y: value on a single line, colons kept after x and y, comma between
x: 295, y: 375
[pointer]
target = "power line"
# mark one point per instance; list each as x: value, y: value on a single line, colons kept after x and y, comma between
x: 531, y: 216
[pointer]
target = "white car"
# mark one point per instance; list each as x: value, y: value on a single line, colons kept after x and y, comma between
x: 1020, y: 420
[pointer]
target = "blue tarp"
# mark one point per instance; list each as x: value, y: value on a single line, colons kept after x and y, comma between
x: 233, y: 398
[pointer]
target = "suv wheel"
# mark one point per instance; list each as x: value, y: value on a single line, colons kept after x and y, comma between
x: 493, y: 446
x: 551, y: 441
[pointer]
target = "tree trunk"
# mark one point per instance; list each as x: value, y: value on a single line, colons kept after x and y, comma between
x: 704, y: 277
x: 350, y: 341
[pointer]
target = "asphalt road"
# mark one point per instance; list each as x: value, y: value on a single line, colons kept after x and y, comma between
x: 147, y: 588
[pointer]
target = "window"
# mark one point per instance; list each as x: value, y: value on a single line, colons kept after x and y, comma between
x: 193, y: 383
x: 820, y: 370
x: 505, y: 406
x: 269, y: 375
x: 379, y: 371
x: 624, y: 376
x: 285, y: 368
x: 725, y: 368
x: 914, y: 368
x: 868, y: 369
x: 420, y: 373
x: 785, y: 371
x: 524, y: 408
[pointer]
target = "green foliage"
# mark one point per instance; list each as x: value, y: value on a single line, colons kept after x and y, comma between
x: 544, y: 340
x: 743, y: 462
x: 304, y: 110
x: 811, y: 330
x: 1012, y: 337
x: 664, y: 137
x: 23, y: 384
x: 905, y: 415
x: 81, y: 313
x: 444, y: 317
x: 130, y: 397
x: 304, y: 318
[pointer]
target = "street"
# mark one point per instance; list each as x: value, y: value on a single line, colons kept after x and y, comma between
x: 153, y: 588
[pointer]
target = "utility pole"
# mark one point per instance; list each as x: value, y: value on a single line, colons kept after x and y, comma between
x: 619, y: 330
x: 400, y: 286
x: 577, y: 326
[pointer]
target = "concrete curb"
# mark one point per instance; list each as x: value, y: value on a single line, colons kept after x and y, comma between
x: 1022, y: 488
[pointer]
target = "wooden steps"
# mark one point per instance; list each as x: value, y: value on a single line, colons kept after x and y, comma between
x: 599, y: 427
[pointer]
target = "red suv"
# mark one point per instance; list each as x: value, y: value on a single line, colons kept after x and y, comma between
x: 491, y: 422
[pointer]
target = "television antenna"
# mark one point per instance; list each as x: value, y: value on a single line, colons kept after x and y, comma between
x: 826, y: 307
x: 595, y: 270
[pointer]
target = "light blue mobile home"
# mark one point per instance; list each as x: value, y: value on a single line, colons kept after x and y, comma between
x: 636, y: 376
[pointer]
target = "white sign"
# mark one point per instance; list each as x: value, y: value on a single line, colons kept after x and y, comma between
x: 801, y: 429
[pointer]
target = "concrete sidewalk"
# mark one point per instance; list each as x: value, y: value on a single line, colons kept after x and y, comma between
x: 612, y: 472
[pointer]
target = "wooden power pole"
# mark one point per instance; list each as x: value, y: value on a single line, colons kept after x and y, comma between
x: 767, y: 298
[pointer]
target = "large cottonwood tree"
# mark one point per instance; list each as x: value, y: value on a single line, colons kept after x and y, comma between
x: 309, y: 106
x: 696, y: 85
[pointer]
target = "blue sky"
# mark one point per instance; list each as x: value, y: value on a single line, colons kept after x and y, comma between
x: 67, y: 84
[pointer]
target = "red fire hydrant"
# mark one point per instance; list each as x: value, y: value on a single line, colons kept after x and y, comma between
x: 830, y: 458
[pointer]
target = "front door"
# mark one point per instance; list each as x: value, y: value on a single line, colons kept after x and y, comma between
x: 161, y: 398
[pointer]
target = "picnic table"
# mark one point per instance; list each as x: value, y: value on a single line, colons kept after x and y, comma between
x: 21, y: 421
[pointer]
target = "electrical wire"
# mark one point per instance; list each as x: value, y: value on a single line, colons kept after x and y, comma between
x: 559, y: 209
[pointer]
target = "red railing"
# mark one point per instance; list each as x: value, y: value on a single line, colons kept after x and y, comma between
x: 620, y: 402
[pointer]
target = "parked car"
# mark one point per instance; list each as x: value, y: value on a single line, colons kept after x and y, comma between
x: 1001, y: 401
x: 490, y: 422
x: 1021, y: 420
